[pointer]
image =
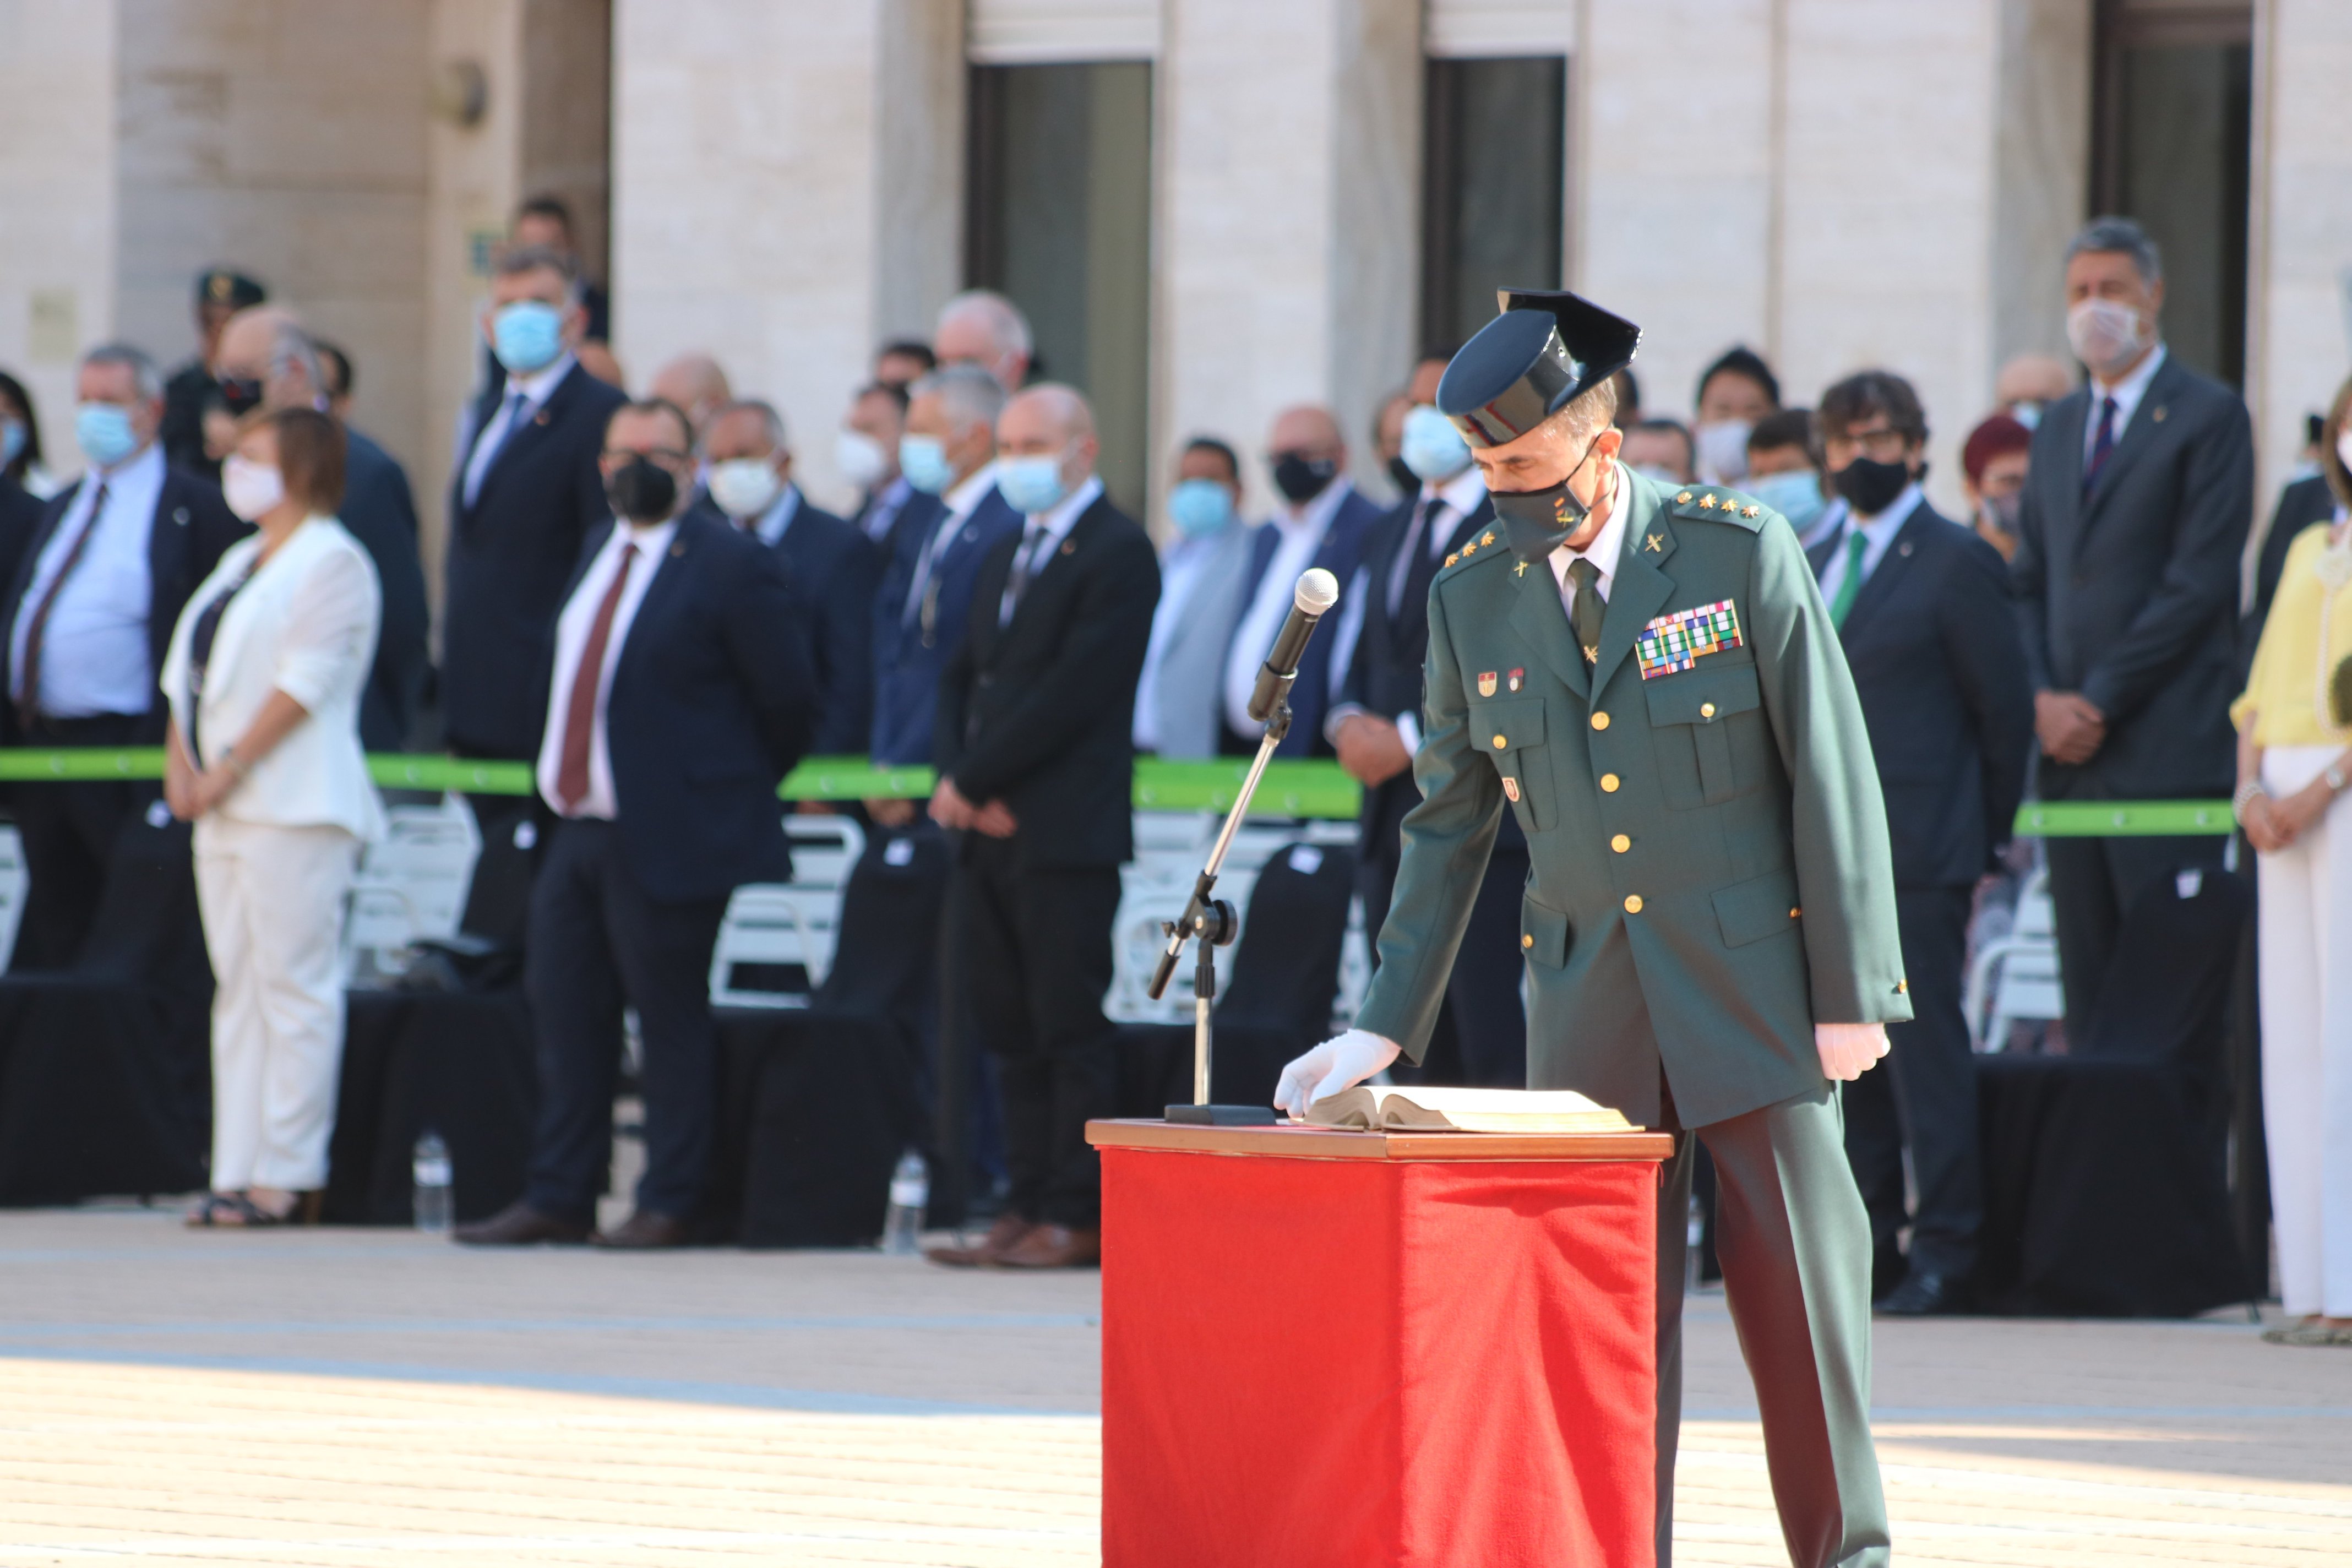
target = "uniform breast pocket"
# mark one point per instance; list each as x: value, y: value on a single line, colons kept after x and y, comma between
x: 1511, y: 733
x: 1708, y: 727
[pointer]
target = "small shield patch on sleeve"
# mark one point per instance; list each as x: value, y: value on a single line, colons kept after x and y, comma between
x: 1485, y: 683
x: 1511, y: 789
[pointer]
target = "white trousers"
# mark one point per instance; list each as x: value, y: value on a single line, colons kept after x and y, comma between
x: 2305, y: 894
x: 273, y: 901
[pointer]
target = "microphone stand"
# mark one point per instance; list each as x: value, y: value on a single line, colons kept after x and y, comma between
x: 1211, y: 922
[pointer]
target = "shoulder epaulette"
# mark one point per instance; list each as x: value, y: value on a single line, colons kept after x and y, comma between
x: 1714, y: 504
x: 1488, y: 545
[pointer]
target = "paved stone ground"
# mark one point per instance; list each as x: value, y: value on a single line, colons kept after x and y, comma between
x: 356, y: 1398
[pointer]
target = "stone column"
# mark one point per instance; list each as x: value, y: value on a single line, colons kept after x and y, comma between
x: 1676, y: 181
x: 1288, y: 217
x: 2042, y: 154
x: 2300, y: 334
x: 774, y: 171
x: 1888, y: 211
x: 58, y: 102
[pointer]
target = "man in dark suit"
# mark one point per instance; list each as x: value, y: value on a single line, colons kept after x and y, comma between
x: 525, y: 497
x: 1375, y: 726
x: 682, y: 696
x: 1922, y: 608
x: 1037, y: 771
x: 20, y: 519
x: 2301, y: 504
x: 867, y: 454
x: 2138, y: 501
x: 949, y: 454
x: 196, y: 385
x: 1323, y: 520
x: 88, y: 614
x: 836, y: 568
x: 266, y: 354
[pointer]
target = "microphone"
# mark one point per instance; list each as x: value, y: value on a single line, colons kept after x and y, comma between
x: 1318, y: 592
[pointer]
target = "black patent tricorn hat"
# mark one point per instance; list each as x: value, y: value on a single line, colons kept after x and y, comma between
x: 1546, y: 349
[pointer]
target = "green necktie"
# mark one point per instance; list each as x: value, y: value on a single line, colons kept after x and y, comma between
x: 1855, y: 544
x: 1589, y: 610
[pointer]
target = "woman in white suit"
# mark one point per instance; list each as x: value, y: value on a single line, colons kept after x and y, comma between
x: 263, y: 676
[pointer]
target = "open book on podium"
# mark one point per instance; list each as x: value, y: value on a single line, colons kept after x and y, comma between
x: 1430, y: 1340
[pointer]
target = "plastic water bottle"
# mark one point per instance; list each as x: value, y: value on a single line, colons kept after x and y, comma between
x: 432, y: 1200
x: 1696, y: 1237
x: 911, y: 1190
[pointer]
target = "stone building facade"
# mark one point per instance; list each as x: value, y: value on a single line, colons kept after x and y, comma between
x: 1213, y: 207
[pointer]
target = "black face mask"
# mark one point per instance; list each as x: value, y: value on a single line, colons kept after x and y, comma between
x: 1408, y: 483
x: 642, y: 490
x: 1537, y: 522
x: 240, y: 394
x: 1870, y: 486
x: 1302, y: 480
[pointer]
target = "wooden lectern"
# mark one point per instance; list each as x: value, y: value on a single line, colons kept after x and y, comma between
x: 1344, y: 1350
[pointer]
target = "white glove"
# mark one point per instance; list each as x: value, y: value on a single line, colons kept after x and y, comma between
x: 1849, y: 1050
x: 1331, y: 1067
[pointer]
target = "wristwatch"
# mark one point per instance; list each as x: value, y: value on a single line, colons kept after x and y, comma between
x: 2335, y: 777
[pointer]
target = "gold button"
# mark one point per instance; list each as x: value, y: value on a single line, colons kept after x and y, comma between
x: 1608, y: 784
x: 1706, y: 709
x: 1795, y: 913
x: 1500, y: 743
x: 1527, y: 942
x: 1634, y: 903
x: 1621, y: 844
x: 1601, y: 721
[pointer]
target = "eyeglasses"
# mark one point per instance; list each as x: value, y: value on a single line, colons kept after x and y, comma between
x: 658, y: 454
x: 1885, y: 444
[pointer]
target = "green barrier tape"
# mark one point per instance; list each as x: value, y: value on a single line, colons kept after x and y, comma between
x: 2124, y: 818
x: 1288, y: 789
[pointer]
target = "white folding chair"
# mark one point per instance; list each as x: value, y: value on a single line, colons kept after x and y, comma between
x: 12, y: 883
x: 412, y: 887
x: 2014, y: 979
x: 824, y: 849
x: 773, y: 924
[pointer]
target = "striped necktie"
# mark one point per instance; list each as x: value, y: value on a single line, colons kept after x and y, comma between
x: 2103, y: 446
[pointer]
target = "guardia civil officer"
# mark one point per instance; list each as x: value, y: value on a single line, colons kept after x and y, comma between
x: 1646, y: 677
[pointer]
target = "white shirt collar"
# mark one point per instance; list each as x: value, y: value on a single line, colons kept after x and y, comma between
x: 1065, y: 512
x: 2127, y: 393
x: 142, y: 467
x: 1461, y: 494
x: 540, y: 384
x: 1881, y: 525
x: 1314, y: 515
x: 967, y: 493
x: 651, y: 542
x: 1602, y: 550
x: 770, y: 525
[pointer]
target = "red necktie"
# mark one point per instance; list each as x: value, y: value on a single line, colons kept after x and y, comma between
x: 28, y: 678
x: 580, y: 713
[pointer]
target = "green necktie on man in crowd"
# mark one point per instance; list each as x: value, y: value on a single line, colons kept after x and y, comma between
x: 1856, y: 544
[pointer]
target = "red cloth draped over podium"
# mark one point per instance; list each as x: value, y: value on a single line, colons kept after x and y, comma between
x: 1362, y: 1349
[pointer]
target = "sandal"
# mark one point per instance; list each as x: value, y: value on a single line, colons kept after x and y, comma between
x: 232, y: 1211
x: 2307, y: 1335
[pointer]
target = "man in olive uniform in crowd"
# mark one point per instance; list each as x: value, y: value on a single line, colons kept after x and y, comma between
x: 195, y: 386
x: 1646, y: 676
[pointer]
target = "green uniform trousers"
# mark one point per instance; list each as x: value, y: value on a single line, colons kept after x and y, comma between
x: 1795, y: 1245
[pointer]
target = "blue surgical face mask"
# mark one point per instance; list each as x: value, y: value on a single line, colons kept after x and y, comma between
x: 11, y: 440
x: 104, y: 433
x: 924, y: 460
x: 1200, y: 508
x: 1032, y: 484
x: 2026, y: 412
x: 1434, y: 449
x: 527, y: 336
x: 1795, y: 495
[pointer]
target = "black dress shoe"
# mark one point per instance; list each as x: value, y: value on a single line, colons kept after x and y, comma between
x: 1922, y: 1295
x: 520, y: 1224
x: 644, y: 1230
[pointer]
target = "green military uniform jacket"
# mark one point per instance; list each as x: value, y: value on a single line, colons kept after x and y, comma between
x: 1710, y: 873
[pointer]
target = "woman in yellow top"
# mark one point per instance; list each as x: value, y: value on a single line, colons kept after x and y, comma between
x: 2295, y: 760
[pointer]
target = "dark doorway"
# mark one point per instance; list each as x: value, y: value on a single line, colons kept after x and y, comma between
x: 1495, y: 159
x: 2172, y: 145
x: 1060, y: 219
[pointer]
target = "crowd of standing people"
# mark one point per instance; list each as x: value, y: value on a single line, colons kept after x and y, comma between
x: 641, y: 602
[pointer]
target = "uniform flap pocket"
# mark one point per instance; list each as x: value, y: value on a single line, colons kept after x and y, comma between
x: 1508, y: 725
x: 1543, y: 934
x: 1761, y: 907
x: 1703, y: 696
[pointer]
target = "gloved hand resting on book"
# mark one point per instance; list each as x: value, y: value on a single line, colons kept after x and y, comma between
x: 1331, y: 1067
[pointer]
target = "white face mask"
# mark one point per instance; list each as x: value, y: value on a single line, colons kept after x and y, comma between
x: 2104, y: 335
x: 745, y: 487
x: 252, y: 489
x: 1722, y: 446
x: 860, y: 458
